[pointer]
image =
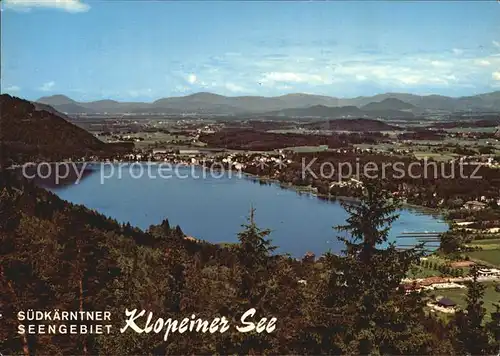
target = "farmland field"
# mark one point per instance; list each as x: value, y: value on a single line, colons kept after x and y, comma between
x: 459, y: 296
x: 488, y: 256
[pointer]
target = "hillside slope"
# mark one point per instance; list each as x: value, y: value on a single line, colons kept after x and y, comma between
x: 343, y: 112
x: 33, y: 133
x: 363, y: 125
x: 388, y: 104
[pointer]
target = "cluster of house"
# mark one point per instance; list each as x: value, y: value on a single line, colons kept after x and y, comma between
x: 480, y: 204
x: 441, y: 304
x: 482, y: 160
x: 163, y: 154
x: 275, y: 160
x: 446, y: 305
x: 433, y: 283
x: 237, y: 165
x: 350, y: 182
x: 237, y: 161
x: 474, y: 205
x: 240, y: 161
x: 207, y: 129
x: 430, y: 283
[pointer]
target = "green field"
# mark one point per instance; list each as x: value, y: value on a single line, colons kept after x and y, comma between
x: 163, y: 140
x: 422, y: 272
x: 419, y: 271
x: 487, y: 244
x: 378, y: 146
x: 459, y: 296
x: 445, y: 156
x: 487, y: 255
x: 472, y: 129
x: 308, y: 148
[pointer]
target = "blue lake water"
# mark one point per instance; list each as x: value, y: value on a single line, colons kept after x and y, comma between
x: 213, y: 209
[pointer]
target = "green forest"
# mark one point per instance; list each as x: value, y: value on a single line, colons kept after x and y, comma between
x: 58, y: 256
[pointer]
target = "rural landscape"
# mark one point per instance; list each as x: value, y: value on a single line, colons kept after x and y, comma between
x: 349, y: 224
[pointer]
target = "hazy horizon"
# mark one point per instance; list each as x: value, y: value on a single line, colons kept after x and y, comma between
x: 143, y: 51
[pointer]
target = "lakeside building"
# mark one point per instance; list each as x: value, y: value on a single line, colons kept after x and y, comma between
x: 443, y: 305
x: 489, y: 272
x: 446, y: 303
x: 474, y: 205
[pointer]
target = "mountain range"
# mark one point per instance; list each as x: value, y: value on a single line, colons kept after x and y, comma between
x: 389, y: 104
x: 32, y: 132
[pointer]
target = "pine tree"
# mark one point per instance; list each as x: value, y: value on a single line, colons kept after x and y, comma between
x: 472, y: 337
x: 451, y: 241
x: 494, y: 328
x: 22, y: 283
x: 325, y: 323
x: 10, y: 261
x: 369, y: 221
x: 377, y: 316
x: 176, y: 281
x: 165, y: 225
x: 254, y: 252
x: 178, y: 232
x: 139, y: 283
x: 84, y: 265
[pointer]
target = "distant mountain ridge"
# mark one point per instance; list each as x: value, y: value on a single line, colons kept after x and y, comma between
x: 343, y: 112
x: 389, y: 104
x: 306, y: 104
x: 362, y: 125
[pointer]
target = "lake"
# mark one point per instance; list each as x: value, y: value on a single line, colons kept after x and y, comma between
x: 213, y: 208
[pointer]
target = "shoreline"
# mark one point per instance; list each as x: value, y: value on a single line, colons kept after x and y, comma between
x: 311, y: 190
x: 299, y: 189
x: 434, y: 212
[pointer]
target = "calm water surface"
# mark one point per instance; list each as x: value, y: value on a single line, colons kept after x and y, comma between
x: 213, y: 209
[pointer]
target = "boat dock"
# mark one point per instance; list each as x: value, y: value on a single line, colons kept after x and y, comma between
x: 420, y: 237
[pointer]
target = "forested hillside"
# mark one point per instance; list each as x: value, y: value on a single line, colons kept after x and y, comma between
x: 56, y: 255
x: 27, y: 133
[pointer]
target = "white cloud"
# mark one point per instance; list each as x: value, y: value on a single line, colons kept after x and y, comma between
x: 47, y: 86
x: 290, y: 77
x: 134, y: 93
x: 482, y: 62
x: 191, y: 78
x: 181, y: 89
x: 495, y: 75
x: 11, y: 88
x: 458, y: 51
x: 409, y: 79
x: 284, y: 87
x: 271, y: 72
x: 424, y: 80
x: 496, y: 44
x: 398, y: 72
x: 235, y: 88
x: 440, y: 64
x: 65, y: 5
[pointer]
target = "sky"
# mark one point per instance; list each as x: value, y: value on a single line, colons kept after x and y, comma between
x: 146, y: 50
